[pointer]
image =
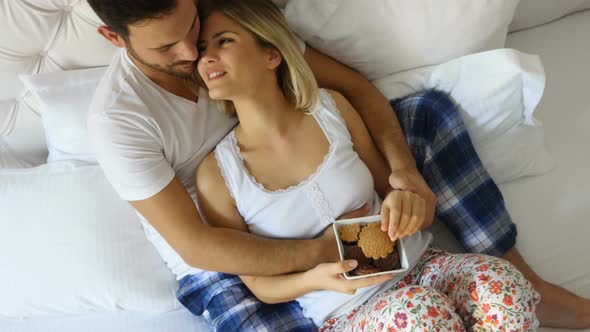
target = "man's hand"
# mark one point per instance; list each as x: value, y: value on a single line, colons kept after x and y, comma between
x: 328, y: 239
x: 409, y: 179
x: 329, y: 276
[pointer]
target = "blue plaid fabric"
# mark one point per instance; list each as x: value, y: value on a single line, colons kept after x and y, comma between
x: 468, y: 201
x: 229, y: 305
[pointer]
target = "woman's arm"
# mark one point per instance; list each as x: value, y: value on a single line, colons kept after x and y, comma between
x: 326, y: 276
x: 402, y: 211
x: 381, y: 120
x: 219, y: 210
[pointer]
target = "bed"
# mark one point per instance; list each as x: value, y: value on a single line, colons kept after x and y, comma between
x: 551, y: 210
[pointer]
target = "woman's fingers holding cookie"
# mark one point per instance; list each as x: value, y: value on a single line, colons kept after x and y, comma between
x: 385, y: 217
x: 391, y: 210
x: 418, y: 215
x: 421, y: 218
x: 405, y: 214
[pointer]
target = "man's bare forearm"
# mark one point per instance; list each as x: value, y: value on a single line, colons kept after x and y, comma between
x: 369, y: 102
x: 237, y: 252
x: 174, y: 215
x: 383, y: 124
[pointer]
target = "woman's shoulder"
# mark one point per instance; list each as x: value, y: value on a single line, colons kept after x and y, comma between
x: 337, y: 103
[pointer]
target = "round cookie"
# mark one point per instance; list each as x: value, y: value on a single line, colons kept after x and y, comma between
x: 375, y: 242
x: 349, y: 233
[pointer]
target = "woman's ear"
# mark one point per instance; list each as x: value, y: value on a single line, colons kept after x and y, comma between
x: 274, y: 58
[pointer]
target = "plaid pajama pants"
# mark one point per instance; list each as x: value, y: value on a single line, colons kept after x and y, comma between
x: 468, y: 202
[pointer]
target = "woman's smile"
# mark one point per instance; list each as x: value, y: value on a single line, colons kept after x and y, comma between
x: 215, y: 75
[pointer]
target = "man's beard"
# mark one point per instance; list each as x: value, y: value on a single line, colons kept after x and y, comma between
x: 168, y: 69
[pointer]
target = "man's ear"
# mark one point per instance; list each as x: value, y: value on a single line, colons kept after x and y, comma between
x: 274, y: 58
x: 111, y: 36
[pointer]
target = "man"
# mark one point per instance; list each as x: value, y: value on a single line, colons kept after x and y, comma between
x: 151, y: 126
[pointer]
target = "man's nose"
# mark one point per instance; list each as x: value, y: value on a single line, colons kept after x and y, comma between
x: 189, y: 51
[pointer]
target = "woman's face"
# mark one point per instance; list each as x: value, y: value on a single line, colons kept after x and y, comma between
x: 231, y: 63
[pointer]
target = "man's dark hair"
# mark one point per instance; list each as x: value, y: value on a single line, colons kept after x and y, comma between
x: 119, y: 14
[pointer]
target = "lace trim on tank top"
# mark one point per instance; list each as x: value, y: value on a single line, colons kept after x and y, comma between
x: 294, y: 187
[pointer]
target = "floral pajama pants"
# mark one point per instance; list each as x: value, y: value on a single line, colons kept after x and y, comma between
x: 449, y: 292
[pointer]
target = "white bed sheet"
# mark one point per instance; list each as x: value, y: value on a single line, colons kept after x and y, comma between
x: 177, y: 320
x: 553, y: 211
x: 560, y: 200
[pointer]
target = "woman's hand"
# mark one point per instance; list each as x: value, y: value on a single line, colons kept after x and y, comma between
x: 328, y: 276
x: 403, y: 213
x: 410, y: 179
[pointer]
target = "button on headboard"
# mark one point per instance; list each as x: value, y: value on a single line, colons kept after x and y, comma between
x: 40, y: 36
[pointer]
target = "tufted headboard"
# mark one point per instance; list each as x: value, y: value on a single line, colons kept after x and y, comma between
x: 50, y: 35
x: 40, y: 36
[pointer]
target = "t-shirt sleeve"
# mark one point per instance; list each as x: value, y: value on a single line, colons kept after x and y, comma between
x: 131, y: 155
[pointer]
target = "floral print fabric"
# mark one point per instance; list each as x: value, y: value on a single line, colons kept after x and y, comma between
x: 449, y: 292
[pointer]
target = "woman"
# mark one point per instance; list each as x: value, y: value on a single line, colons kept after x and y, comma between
x: 301, y: 156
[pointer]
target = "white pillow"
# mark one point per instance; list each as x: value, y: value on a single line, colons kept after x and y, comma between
x: 531, y: 13
x: 496, y: 93
x: 64, y: 99
x: 69, y: 245
x: 381, y: 37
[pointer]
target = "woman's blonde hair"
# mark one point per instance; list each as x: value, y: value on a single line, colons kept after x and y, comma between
x: 269, y: 28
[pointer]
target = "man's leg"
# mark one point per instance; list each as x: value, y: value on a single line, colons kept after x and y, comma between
x: 468, y: 200
x: 228, y: 305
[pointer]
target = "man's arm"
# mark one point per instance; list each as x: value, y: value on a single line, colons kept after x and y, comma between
x: 134, y: 164
x: 369, y: 102
x: 173, y: 214
x: 380, y: 119
x: 402, y: 212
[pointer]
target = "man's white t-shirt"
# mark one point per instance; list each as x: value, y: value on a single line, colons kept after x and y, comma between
x: 144, y: 135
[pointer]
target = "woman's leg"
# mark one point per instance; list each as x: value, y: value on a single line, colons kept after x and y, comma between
x: 468, y: 200
x: 412, y: 308
x: 489, y: 293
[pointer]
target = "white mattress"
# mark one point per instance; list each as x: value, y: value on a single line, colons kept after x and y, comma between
x: 552, y: 211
